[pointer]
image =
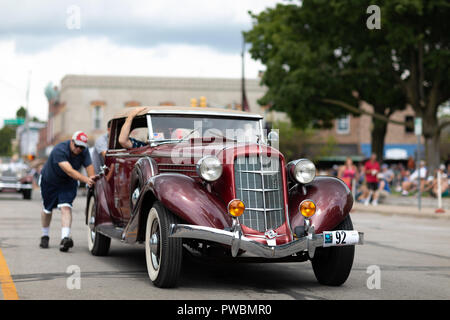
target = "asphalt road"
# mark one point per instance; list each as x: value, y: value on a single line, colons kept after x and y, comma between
x: 412, y: 256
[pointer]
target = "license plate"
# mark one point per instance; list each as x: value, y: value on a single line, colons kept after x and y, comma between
x: 340, y: 238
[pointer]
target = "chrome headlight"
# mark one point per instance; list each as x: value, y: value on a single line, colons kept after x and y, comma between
x: 302, y: 171
x: 209, y: 168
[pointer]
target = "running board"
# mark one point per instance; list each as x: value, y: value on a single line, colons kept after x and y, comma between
x: 110, y: 231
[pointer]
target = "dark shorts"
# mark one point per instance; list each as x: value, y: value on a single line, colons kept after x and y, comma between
x: 372, y: 186
x: 57, y: 196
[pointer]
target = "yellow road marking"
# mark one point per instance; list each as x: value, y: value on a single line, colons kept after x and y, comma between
x: 6, y: 282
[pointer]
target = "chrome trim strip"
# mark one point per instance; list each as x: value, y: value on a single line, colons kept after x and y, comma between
x: 256, y: 190
x: 4, y: 185
x: 176, y: 164
x: 177, y: 170
x: 262, y: 182
x: 203, y: 113
x: 127, y: 155
x: 149, y: 126
x: 263, y: 137
x: 265, y: 172
x: 263, y: 210
x: 263, y: 236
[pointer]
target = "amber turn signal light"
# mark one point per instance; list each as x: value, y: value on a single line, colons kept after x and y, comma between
x: 307, y: 208
x: 236, y: 208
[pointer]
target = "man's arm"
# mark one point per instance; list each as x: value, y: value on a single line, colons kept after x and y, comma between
x: 125, y: 131
x: 90, y: 170
x: 71, y: 172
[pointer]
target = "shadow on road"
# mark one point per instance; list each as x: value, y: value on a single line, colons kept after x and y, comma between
x: 267, y: 278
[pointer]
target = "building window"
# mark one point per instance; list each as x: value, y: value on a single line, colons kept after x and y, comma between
x: 409, y: 128
x: 343, y: 125
x: 98, y: 115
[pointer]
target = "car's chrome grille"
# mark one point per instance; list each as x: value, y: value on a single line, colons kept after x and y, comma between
x: 8, y: 176
x: 8, y: 173
x: 258, y: 183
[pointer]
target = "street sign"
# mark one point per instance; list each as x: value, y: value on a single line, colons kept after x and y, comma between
x: 14, y: 122
x: 418, y: 126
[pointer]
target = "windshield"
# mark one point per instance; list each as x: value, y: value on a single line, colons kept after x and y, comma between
x: 169, y: 127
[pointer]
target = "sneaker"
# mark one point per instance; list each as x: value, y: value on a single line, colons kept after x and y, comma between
x: 65, y: 244
x: 44, y: 242
x: 375, y: 202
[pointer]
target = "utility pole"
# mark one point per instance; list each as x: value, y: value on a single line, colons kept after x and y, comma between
x: 27, y: 135
x: 244, y: 102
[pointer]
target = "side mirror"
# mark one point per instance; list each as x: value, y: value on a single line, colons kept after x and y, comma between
x: 272, y: 137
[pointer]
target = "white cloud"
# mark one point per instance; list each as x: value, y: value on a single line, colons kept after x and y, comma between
x: 194, y: 38
x: 102, y: 57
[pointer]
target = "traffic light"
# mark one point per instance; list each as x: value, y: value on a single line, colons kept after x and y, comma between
x: 202, y: 101
x: 194, y: 102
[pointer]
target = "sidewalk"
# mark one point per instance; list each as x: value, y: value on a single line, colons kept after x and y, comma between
x: 401, y: 209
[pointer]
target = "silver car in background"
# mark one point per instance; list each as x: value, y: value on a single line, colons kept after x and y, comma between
x: 16, y: 176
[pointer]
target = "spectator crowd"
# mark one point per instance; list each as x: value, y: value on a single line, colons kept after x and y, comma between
x: 371, y: 181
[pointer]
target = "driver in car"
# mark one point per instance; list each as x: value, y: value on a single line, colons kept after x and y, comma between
x: 124, y: 139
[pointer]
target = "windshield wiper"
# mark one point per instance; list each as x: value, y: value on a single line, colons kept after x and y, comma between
x: 222, y: 136
x: 167, y: 141
x: 184, y: 138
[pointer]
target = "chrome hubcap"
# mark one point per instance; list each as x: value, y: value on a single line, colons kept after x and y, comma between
x: 154, y: 245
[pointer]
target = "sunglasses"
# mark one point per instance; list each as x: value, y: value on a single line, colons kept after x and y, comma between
x: 79, y: 147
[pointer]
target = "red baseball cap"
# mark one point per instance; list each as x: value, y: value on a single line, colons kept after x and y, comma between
x: 80, y: 139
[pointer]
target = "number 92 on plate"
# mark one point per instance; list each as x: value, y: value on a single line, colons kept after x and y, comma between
x: 340, y: 238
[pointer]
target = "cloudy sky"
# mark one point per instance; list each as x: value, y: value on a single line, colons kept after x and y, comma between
x: 49, y: 39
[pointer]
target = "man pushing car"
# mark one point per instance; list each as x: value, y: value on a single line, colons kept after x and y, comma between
x: 59, y: 184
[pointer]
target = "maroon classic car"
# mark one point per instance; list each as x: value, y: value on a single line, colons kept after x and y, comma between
x: 211, y: 183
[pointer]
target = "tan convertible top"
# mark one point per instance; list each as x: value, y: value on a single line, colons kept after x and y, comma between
x: 186, y: 110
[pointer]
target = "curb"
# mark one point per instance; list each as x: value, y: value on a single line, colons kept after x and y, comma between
x: 409, y: 211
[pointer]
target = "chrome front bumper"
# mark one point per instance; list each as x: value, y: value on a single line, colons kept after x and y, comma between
x: 238, y: 241
x: 13, y: 185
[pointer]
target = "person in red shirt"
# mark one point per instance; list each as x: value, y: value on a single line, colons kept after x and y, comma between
x: 371, y: 169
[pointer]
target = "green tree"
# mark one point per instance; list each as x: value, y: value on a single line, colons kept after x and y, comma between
x: 322, y: 61
x: 293, y: 141
x: 21, y: 112
x: 6, y: 134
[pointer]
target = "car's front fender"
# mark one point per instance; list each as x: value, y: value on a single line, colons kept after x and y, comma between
x: 189, y: 200
x: 333, y: 201
x: 184, y: 197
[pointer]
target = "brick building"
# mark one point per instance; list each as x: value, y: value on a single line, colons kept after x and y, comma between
x: 352, y: 136
x: 87, y: 102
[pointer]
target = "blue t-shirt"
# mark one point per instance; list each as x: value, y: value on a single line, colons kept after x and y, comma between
x: 52, y: 172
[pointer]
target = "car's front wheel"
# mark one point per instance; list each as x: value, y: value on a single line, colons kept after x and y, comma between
x: 98, y: 244
x: 163, y: 254
x: 332, y: 265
